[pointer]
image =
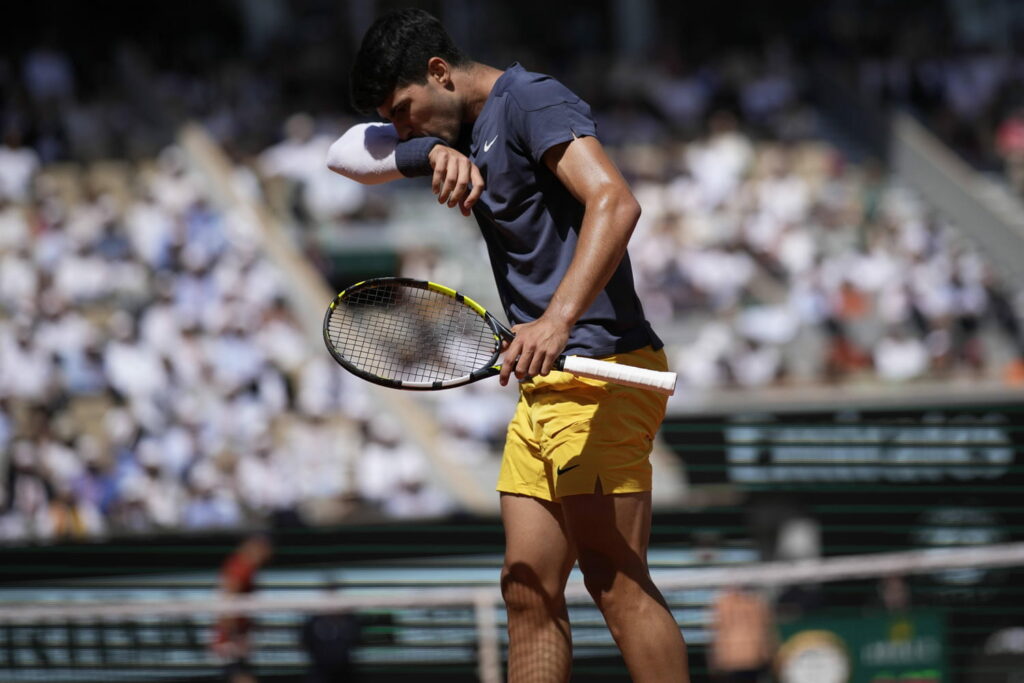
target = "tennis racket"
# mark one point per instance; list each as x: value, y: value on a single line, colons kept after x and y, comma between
x: 413, y: 334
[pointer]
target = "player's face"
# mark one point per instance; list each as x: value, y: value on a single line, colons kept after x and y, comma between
x: 423, y: 109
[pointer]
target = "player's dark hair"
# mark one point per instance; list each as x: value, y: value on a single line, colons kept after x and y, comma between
x: 395, y: 52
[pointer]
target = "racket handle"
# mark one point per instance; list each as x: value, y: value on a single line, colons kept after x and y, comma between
x: 662, y: 382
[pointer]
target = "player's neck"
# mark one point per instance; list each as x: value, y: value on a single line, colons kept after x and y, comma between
x: 477, y: 81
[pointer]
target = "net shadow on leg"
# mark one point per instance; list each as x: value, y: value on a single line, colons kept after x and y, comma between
x: 538, y: 559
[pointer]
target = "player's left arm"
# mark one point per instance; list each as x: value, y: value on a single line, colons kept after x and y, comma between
x: 610, y: 214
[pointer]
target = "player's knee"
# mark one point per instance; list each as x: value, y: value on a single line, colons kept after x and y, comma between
x: 611, y: 578
x: 599, y: 573
x: 523, y: 589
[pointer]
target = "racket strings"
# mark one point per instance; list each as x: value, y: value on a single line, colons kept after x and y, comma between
x: 409, y: 334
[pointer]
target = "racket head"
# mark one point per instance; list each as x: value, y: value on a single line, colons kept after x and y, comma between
x: 412, y: 334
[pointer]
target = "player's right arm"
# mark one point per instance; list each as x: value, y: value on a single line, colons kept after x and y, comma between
x: 373, y: 153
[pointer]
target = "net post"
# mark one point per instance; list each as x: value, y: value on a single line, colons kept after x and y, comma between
x: 489, y: 650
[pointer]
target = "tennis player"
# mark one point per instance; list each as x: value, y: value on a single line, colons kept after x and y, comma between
x: 520, y: 152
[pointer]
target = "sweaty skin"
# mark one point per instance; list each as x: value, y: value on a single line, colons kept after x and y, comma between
x: 611, y: 213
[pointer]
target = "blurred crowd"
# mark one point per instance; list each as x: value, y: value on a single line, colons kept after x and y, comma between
x: 785, y: 263
x: 153, y: 378
x: 973, y: 100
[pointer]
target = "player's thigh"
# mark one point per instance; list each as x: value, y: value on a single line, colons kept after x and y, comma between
x: 537, y: 547
x: 610, y: 532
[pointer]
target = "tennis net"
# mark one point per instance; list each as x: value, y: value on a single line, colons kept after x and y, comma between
x: 456, y: 632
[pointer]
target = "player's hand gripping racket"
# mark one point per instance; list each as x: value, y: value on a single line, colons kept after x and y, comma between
x: 412, y: 334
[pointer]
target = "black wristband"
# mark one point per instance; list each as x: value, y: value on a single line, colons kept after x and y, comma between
x: 413, y: 156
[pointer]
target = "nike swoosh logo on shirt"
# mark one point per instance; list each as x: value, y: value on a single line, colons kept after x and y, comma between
x: 487, y: 145
x: 563, y: 470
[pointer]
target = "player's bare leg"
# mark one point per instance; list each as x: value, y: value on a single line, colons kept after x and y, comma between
x: 611, y: 534
x: 538, y: 559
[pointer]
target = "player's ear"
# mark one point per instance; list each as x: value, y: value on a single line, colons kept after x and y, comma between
x: 439, y: 71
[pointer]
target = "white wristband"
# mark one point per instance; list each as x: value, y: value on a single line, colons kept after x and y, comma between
x: 366, y: 153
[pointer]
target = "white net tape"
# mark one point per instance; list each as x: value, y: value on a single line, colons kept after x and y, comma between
x: 762, y: 574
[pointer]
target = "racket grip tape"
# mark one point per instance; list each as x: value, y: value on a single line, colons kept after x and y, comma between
x: 662, y: 382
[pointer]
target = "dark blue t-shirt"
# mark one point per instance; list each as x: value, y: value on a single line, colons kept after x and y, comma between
x: 531, y: 222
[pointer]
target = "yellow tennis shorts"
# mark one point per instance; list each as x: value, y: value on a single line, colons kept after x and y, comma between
x: 569, y: 432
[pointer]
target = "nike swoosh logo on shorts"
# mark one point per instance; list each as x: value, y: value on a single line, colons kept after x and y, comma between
x: 563, y: 470
x: 487, y: 145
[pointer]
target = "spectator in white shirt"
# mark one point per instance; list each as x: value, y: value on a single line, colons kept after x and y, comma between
x: 18, y: 166
x: 27, y: 372
x: 211, y: 505
x: 299, y: 158
x: 152, y: 231
x: 900, y: 357
x: 19, y: 280
x: 135, y: 369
